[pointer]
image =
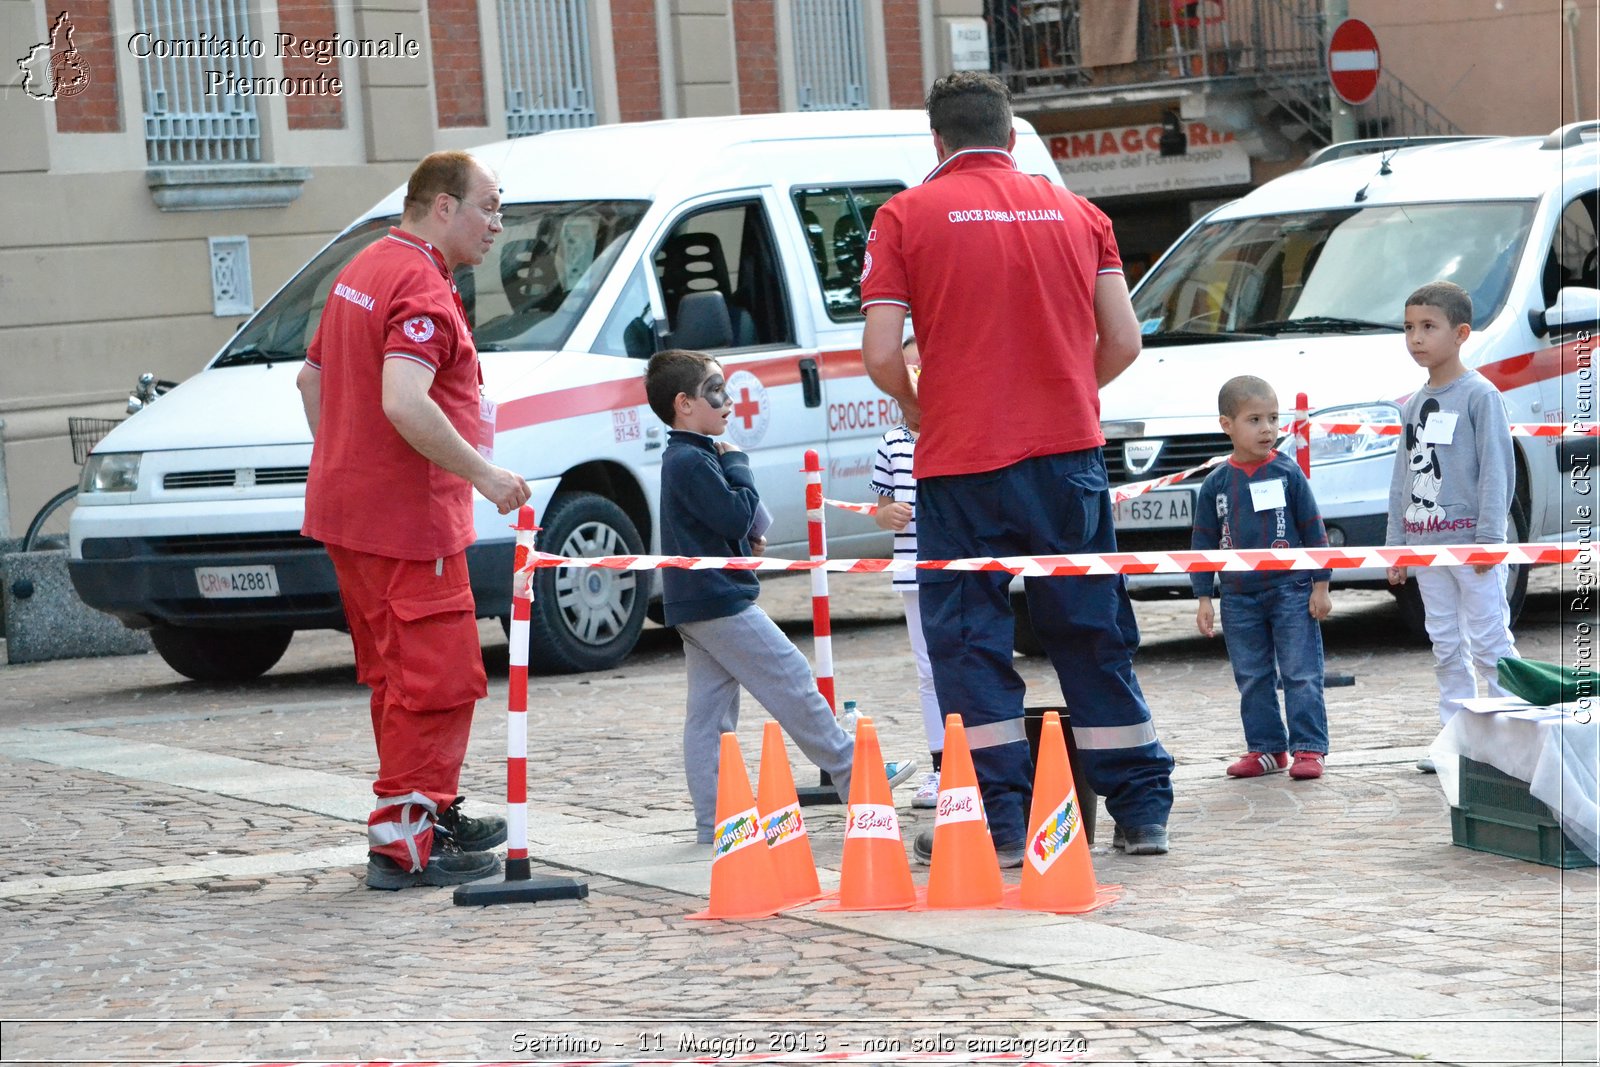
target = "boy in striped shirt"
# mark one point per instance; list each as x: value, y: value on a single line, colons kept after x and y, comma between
x: 892, y: 480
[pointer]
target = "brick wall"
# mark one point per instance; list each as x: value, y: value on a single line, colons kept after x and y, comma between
x: 310, y: 20
x: 633, y: 37
x: 96, y: 108
x: 902, y: 33
x: 457, y: 62
x: 755, y: 40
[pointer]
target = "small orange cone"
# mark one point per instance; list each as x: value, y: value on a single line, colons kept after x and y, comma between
x: 964, y: 873
x: 744, y: 884
x: 1057, y: 873
x: 874, y: 874
x: 782, y: 824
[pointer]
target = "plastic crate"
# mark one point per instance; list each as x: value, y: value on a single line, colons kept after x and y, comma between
x: 1499, y: 815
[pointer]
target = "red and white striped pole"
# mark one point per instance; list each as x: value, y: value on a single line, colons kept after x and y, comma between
x: 817, y: 536
x: 1302, y: 434
x: 517, y: 699
x: 520, y: 884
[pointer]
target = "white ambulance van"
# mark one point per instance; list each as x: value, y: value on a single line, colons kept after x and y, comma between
x: 742, y: 236
x: 1302, y: 283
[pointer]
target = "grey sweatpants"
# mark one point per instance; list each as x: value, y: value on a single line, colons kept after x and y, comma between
x: 749, y: 650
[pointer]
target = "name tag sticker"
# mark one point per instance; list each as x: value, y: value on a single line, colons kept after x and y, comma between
x: 1267, y: 496
x: 1440, y: 429
x: 486, y: 410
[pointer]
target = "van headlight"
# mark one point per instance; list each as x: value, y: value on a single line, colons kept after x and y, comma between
x: 1360, y: 442
x: 110, y: 472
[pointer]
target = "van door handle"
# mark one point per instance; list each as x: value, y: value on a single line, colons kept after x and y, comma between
x: 810, y: 382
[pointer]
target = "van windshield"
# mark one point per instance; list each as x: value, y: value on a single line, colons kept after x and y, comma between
x: 1340, y: 271
x: 528, y: 293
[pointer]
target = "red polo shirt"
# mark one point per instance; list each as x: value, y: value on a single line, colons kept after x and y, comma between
x: 998, y: 270
x: 369, y: 490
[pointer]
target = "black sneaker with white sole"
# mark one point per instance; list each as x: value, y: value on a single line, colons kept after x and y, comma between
x: 472, y: 834
x: 1009, y: 856
x: 1140, y: 840
x: 447, y: 865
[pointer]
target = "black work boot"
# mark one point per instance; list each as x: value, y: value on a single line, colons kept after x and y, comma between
x: 447, y: 865
x: 473, y: 835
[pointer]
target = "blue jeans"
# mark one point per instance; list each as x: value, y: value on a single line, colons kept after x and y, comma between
x: 1274, y: 625
x: 1040, y: 506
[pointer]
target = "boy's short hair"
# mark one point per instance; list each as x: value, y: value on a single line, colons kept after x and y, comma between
x: 1235, y: 391
x: 674, y: 371
x: 1448, y: 297
x: 970, y: 109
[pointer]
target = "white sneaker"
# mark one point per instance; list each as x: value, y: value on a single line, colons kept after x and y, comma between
x: 927, y: 794
x: 898, y: 771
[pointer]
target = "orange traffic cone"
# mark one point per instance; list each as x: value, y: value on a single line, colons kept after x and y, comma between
x: 964, y: 873
x: 1057, y: 873
x: 874, y: 874
x: 744, y: 884
x: 785, y: 830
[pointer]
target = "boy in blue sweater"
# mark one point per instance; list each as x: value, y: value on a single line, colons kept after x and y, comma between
x: 709, y: 505
x: 1259, y: 499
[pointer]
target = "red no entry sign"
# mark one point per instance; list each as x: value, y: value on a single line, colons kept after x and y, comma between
x: 1353, y: 65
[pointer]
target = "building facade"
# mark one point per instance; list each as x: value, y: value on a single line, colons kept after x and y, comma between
x: 169, y: 167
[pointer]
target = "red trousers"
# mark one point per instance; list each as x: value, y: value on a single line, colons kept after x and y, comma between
x: 415, y: 631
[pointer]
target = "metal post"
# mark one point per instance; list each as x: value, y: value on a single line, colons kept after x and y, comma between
x: 1342, y: 124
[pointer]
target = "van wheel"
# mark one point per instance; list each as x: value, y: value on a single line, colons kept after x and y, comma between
x: 1410, y: 598
x: 585, y: 619
x: 221, y: 655
x: 1024, y: 640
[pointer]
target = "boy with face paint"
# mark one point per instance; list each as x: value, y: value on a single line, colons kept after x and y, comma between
x: 709, y: 504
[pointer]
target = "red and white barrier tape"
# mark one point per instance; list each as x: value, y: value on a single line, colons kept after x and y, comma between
x: 1175, y: 562
x: 1119, y: 493
x: 1518, y: 429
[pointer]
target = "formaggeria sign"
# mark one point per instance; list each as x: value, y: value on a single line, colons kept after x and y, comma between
x: 1125, y: 160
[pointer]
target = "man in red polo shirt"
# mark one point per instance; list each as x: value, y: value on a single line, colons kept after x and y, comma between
x: 392, y: 391
x: 1021, y: 314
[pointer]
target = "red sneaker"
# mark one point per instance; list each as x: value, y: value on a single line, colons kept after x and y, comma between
x: 1255, y: 764
x: 1307, y: 765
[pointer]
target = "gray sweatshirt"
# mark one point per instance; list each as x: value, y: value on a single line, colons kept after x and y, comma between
x: 1452, y: 485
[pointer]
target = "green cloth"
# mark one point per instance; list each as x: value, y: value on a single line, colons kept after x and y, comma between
x: 1544, y: 683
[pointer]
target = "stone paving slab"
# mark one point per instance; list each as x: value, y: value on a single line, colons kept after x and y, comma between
x: 1294, y: 922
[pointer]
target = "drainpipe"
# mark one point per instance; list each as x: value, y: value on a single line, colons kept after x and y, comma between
x: 1573, y: 16
x: 1342, y: 126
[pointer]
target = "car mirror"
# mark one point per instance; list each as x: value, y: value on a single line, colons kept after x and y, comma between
x: 1575, y: 308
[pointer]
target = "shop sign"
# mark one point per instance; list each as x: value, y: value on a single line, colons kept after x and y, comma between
x: 1127, y: 160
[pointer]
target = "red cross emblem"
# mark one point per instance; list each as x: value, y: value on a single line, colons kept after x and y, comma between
x: 746, y: 408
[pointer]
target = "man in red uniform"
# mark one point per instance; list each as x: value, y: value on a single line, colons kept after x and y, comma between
x: 392, y: 391
x: 1016, y: 289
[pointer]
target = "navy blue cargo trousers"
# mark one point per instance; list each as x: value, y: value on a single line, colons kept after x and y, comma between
x: 1045, y: 505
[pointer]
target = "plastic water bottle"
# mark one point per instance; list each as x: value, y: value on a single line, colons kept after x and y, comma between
x: 847, y: 718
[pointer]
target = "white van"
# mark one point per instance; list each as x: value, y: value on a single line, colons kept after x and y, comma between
x: 742, y: 236
x: 1302, y: 283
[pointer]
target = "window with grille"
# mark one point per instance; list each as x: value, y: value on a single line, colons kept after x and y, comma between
x: 549, y: 75
x: 830, y: 55
x: 193, y: 112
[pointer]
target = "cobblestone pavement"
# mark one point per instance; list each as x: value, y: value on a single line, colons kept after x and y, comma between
x: 187, y: 883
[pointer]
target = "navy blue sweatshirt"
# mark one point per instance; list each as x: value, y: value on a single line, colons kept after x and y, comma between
x: 708, y: 504
x: 1225, y: 517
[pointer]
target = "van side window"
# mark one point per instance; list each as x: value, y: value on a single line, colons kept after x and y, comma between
x: 630, y: 329
x: 1571, y: 261
x: 728, y: 249
x: 836, y: 221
